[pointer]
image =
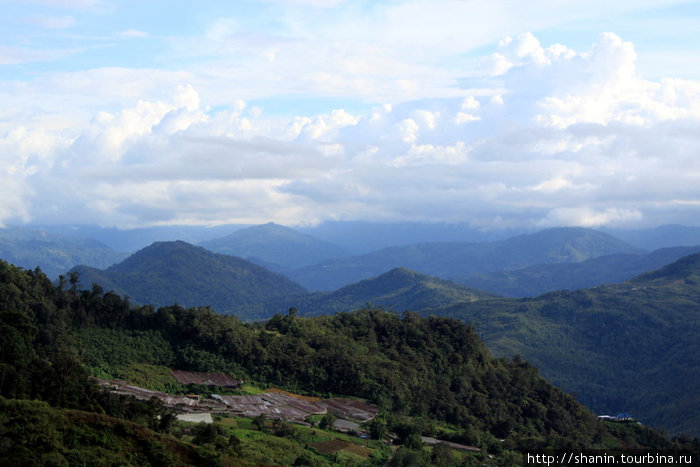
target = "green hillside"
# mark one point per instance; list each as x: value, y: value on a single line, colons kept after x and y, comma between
x: 631, y: 347
x: 177, y: 272
x: 399, y: 289
x: 54, y: 254
x: 272, y: 244
x: 429, y: 376
x: 453, y: 260
x: 34, y: 433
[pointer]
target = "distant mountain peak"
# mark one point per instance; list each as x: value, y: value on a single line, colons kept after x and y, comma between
x: 275, y: 244
x: 269, y: 227
x: 176, y: 271
x: 402, y: 271
x: 401, y: 278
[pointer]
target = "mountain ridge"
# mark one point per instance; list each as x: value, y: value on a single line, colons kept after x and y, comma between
x: 272, y: 244
x: 53, y: 253
x: 640, y: 334
x: 168, y: 272
x: 542, y: 278
x: 451, y: 260
x: 400, y: 289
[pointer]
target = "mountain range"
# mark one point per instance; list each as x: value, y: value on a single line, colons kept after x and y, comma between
x: 57, y: 248
x: 488, y: 267
x: 177, y: 271
x: 542, y: 278
x: 451, y: 260
x: 626, y: 347
x: 53, y: 253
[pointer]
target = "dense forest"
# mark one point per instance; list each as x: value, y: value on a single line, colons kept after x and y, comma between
x: 430, y: 376
x: 177, y: 272
x: 629, y: 347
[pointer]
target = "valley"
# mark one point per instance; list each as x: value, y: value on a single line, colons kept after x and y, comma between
x: 625, y: 346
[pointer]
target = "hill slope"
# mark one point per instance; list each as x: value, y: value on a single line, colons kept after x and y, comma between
x: 451, y: 260
x: 630, y: 347
x: 177, y: 272
x: 54, y: 254
x: 543, y: 278
x: 399, y: 289
x: 272, y: 243
x: 430, y: 376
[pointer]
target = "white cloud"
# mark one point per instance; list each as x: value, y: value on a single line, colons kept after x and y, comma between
x: 463, y: 117
x: 587, y: 217
x: 324, y: 125
x: 408, y: 129
x: 558, y: 137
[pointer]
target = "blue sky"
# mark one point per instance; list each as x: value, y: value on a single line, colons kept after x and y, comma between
x: 498, y: 113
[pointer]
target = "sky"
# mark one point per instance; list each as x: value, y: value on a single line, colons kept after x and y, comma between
x: 497, y: 113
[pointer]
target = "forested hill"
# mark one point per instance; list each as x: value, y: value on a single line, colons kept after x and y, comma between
x: 631, y: 347
x: 399, y: 289
x: 431, y: 376
x: 684, y: 272
x: 177, y: 272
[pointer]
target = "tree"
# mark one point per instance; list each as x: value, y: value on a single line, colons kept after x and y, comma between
x: 327, y: 421
x: 261, y: 422
x: 377, y: 428
x: 442, y: 456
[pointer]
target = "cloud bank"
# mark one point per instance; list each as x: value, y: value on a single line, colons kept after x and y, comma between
x: 537, y: 136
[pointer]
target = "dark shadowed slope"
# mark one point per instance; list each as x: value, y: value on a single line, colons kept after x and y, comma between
x: 177, y: 272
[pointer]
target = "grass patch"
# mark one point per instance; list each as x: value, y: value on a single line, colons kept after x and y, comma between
x: 157, y: 377
x: 250, y: 390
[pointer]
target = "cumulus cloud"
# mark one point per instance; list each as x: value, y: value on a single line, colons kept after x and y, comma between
x: 545, y: 136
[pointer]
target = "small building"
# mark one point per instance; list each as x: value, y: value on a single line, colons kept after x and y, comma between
x: 621, y: 417
x: 195, y: 417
